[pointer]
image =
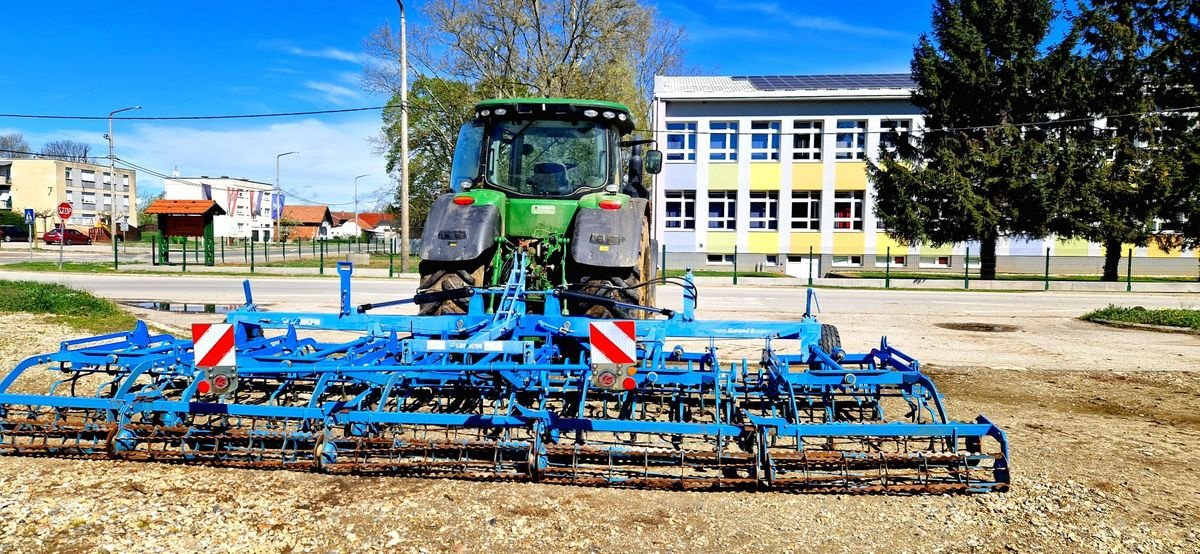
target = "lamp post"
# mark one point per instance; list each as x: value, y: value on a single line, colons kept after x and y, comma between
x: 403, y: 141
x: 112, y: 177
x: 275, y: 198
x: 356, y: 226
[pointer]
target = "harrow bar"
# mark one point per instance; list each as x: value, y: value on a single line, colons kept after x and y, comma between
x: 510, y: 394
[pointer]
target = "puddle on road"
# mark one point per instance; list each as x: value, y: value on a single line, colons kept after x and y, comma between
x: 183, y: 307
x: 979, y: 327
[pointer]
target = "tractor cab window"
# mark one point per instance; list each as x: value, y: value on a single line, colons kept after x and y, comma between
x: 548, y: 157
x: 466, y: 156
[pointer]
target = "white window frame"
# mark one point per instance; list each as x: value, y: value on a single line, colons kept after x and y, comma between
x: 811, y: 222
x: 771, y: 260
x: 727, y: 199
x: 768, y: 200
x: 897, y: 261
x: 107, y: 178
x: 848, y: 260
x: 88, y: 176
x: 893, y: 131
x: 684, y: 221
x: 719, y: 259
x: 853, y: 221
x: 851, y: 140
x: 87, y: 198
x: 768, y: 132
x: 685, y: 133
x: 728, y: 152
x: 67, y: 174
x: 809, y: 129
x: 938, y: 261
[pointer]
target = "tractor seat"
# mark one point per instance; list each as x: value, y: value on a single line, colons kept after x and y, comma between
x: 549, y: 178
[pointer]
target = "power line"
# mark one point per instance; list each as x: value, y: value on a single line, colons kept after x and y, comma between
x: 191, y: 117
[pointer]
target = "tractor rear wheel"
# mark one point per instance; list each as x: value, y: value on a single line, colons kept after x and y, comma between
x: 615, y: 283
x: 443, y: 276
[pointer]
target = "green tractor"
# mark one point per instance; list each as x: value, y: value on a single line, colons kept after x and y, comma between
x: 552, y: 178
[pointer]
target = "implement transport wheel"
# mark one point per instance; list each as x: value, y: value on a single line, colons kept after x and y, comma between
x: 443, y: 276
x: 831, y: 343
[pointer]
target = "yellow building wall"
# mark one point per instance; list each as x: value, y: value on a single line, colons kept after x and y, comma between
x: 1153, y: 250
x: 883, y: 242
x: 1075, y: 247
x: 721, y: 242
x: 35, y: 185
x: 850, y: 176
x: 722, y: 176
x: 849, y: 243
x: 763, y: 242
x: 807, y: 176
x: 801, y: 242
x: 765, y: 175
x: 928, y: 250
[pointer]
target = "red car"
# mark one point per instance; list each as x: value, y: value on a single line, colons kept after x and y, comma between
x: 71, y: 236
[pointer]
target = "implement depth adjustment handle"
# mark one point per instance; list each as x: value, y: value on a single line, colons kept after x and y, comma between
x: 609, y: 302
x: 422, y: 298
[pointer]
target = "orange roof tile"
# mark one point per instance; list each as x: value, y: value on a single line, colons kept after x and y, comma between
x: 184, y: 207
x: 307, y: 215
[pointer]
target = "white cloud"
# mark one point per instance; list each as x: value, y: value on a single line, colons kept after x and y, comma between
x: 327, y: 53
x: 334, y: 94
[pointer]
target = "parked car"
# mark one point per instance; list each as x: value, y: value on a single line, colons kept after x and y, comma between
x: 14, y: 233
x: 69, y: 236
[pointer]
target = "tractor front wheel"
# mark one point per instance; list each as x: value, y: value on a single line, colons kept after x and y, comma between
x: 445, y: 276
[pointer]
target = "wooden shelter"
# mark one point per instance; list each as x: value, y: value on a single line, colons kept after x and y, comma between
x: 185, y: 218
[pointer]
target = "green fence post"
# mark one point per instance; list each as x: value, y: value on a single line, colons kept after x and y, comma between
x: 283, y: 249
x: 1046, y: 278
x: 1129, y: 272
x: 251, y: 256
x: 321, y: 264
x: 810, y: 265
x: 887, y: 270
x: 967, y: 269
x: 245, y: 253
x: 735, y: 264
x: 153, y: 253
x: 185, y: 254
x: 339, y: 247
x: 314, y: 246
x: 663, y: 260
x: 299, y: 251
x: 391, y: 267
x: 222, y: 250
x: 266, y: 252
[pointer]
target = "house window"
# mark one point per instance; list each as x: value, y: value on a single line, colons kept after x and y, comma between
x: 847, y: 261
x: 722, y: 209
x: 681, y: 141
x: 806, y: 140
x: 764, y: 140
x: 897, y: 261
x: 722, y: 141
x: 764, y: 210
x: 681, y: 209
x: 848, y: 210
x: 895, y: 131
x: 89, y: 176
x: 851, y: 143
x: 935, y: 261
x: 720, y: 259
x: 806, y: 210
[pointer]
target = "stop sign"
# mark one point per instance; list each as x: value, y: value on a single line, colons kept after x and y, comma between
x: 64, y: 210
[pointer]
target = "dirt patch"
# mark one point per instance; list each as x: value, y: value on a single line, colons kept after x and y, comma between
x: 979, y: 327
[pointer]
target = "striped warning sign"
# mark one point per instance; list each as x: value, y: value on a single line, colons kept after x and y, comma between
x: 613, y: 342
x: 213, y: 344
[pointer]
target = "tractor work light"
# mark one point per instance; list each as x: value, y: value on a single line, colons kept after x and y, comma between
x: 591, y: 113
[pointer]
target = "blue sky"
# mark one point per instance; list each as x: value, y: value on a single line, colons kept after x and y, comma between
x: 175, y: 58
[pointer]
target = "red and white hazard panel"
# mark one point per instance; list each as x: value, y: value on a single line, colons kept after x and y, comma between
x: 213, y: 345
x: 614, y: 354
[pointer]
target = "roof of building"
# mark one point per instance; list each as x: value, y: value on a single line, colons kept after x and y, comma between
x: 368, y: 220
x: 184, y: 207
x: 302, y: 232
x: 307, y: 215
x: 873, y: 85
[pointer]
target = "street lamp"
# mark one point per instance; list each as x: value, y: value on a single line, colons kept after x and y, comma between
x: 403, y: 141
x: 356, y: 226
x: 112, y: 176
x: 275, y: 198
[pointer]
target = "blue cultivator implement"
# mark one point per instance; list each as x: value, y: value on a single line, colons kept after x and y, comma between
x: 512, y: 391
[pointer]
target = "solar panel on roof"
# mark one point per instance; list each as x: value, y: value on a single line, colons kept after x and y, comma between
x: 812, y: 82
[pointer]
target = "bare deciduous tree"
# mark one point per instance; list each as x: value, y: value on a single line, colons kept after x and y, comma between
x: 68, y: 150
x: 13, y: 145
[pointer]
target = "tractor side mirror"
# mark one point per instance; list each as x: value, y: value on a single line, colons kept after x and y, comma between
x: 653, y: 162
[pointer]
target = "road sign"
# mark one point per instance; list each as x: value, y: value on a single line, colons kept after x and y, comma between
x: 29, y: 216
x: 613, y: 342
x: 64, y: 210
x: 213, y: 345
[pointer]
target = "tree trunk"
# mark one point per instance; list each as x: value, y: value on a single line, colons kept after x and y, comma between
x: 1112, y: 260
x: 987, y: 258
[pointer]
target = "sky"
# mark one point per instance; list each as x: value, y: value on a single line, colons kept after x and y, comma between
x: 219, y: 57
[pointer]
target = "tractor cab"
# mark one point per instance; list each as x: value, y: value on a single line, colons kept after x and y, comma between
x: 550, y: 148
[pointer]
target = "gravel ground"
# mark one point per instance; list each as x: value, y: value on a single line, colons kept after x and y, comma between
x: 1103, y: 460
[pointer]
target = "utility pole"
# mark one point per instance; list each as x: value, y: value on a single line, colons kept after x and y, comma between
x: 403, y: 141
x: 274, y: 199
x: 112, y: 180
x: 356, y: 226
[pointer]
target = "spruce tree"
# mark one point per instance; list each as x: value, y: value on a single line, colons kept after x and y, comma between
x: 976, y: 174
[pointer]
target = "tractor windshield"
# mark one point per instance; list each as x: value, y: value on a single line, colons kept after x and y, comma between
x: 547, y: 157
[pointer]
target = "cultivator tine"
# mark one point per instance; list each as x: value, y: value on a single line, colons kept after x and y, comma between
x: 498, y: 393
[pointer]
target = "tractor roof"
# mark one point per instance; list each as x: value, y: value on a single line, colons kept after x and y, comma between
x: 623, y: 119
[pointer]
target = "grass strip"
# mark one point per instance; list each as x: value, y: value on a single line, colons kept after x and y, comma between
x: 76, y: 308
x: 1183, y: 318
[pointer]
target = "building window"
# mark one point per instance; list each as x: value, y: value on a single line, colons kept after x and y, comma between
x: 722, y: 209
x: 851, y: 141
x: 764, y: 140
x: 895, y: 131
x: 88, y: 198
x: 847, y: 261
x: 772, y: 259
x: 681, y: 209
x: 806, y: 140
x: 722, y: 141
x: 67, y: 174
x: 764, y: 210
x: 720, y: 259
x: 107, y: 179
x: 89, y: 176
x: 848, y: 210
x: 806, y: 210
x: 681, y: 141
x: 125, y: 180
x: 897, y: 261
x: 935, y: 261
